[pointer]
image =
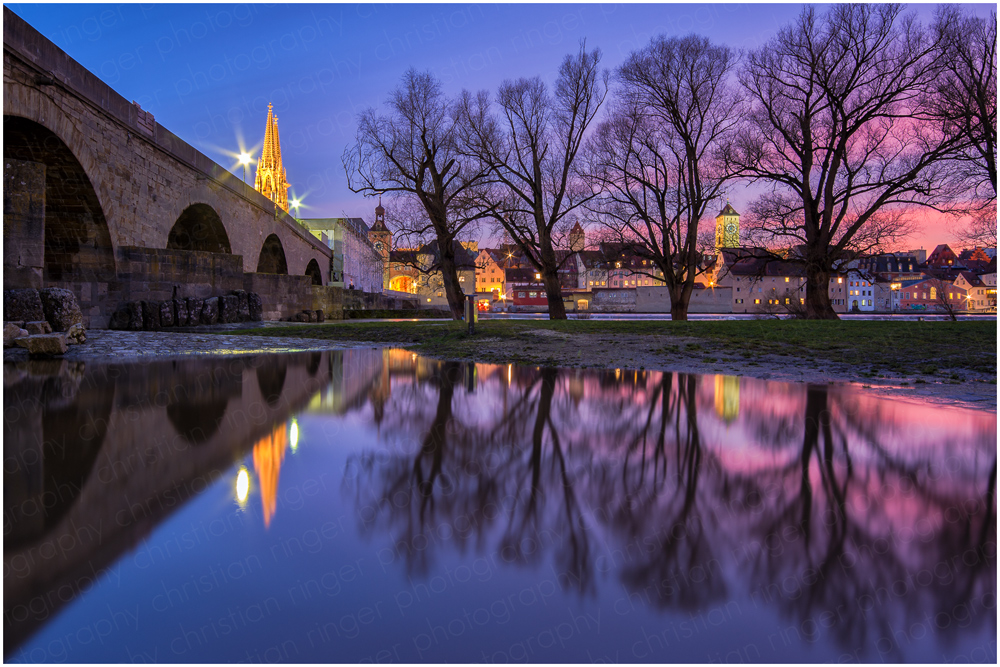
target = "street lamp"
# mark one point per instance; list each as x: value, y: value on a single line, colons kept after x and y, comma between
x: 244, y: 160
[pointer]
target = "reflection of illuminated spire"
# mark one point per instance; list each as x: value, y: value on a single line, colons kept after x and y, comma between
x: 727, y: 397
x: 267, y: 456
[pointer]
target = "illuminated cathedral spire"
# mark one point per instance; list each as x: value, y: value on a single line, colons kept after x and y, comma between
x: 270, y: 180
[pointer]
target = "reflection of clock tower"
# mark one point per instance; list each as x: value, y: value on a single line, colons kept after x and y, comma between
x: 381, y: 238
x: 727, y: 228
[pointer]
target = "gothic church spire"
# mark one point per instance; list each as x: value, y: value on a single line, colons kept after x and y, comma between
x: 270, y: 180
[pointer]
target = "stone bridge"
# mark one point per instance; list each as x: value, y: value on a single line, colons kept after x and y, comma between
x: 102, y: 200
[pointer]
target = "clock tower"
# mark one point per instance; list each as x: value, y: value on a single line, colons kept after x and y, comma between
x: 381, y: 238
x: 727, y: 228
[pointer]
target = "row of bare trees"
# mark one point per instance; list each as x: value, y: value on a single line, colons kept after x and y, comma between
x: 848, y: 118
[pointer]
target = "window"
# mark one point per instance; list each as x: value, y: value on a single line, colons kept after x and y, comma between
x: 786, y: 280
x: 520, y: 295
x: 787, y: 301
x: 532, y: 295
x: 802, y: 302
x: 757, y: 301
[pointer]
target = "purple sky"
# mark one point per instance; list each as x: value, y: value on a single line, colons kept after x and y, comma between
x: 207, y: 72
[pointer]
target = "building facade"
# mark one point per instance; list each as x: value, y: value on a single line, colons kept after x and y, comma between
x: 356, y: 263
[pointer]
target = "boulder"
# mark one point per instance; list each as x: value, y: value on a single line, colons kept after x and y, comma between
x: 123, y: 316
x: 22, y: 304
x: 303, y: 316
x: 61, y: 309
x: 194, y: 307
x: 11, y: 332
x: 320, y: 317
x: 256, y: 306
x: 244, y: 305
x: 181, y: 309
x: 210, y: 311
x: 167, y: 314
x: 313, y: 315
x: 150, y: 315
x: 76, y: 335
x: 229, y: 309
x: 38, y: 328
x: 132, y: 316
x: 44, y: 345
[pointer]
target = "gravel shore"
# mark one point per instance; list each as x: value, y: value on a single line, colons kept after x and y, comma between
x: 968, y: 389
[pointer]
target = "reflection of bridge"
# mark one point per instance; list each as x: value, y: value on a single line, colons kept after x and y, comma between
x: 97, y: 457
x: 102, y: 200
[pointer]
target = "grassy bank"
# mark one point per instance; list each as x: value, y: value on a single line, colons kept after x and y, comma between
x: 415, y: 314
x: 870, y: 348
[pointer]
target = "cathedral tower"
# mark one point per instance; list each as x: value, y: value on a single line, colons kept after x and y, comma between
x: 577, y: 238
x: 381, y: 238
x: 270, y: 180
x: 727, y: 228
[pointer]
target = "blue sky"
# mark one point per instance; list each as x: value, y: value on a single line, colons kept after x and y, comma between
x: 207, y: 72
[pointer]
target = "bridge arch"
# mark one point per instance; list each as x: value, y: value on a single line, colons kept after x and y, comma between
x: 312, y: 270
x: 77, y: 239
x: 272, y: 257
x: 199, y: 227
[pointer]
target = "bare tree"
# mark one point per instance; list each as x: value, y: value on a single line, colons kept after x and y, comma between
x: 530, y: 149
x: 654, y: 159
x: 966, y: 95
x: 412, y: 152
x: 982, y: 230
x: 841, y: 128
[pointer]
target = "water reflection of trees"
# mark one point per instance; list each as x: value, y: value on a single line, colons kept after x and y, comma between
x: 812, y: 506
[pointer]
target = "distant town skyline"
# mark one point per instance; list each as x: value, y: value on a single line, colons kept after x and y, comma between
x: 208, y: 72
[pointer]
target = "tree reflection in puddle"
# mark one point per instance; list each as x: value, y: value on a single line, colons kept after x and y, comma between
x: 847, y: 513
x: 690, y: 514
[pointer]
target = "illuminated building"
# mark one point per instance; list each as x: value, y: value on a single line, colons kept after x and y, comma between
x: 270, y: 180
x: 268, y: 454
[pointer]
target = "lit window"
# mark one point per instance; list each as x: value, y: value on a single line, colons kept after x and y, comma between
x: 757, y: 301
x: 802, y: 302
x: 532, y: 295
x: 786, y: 280
x: 840, y: 280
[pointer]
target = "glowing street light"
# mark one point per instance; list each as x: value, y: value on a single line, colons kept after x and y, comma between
x: 242, y: 486
x: 244, y: 160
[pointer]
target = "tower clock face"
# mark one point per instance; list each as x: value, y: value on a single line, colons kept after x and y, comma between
x: 730, y: 228
x: 378, y: 245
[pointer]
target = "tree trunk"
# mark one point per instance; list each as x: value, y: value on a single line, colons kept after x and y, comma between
x: 553, y: 292
x: 680, y: 299
x: 449, y: 277
x: 818, y: 305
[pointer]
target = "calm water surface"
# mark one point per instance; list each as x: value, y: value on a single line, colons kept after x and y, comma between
x: 372, y: 505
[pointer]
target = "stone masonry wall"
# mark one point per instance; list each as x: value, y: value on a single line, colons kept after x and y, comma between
x: 282, y: 296
x: 23, y: 223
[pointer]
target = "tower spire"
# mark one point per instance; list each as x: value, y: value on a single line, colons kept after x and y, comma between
x: 270, y: 180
